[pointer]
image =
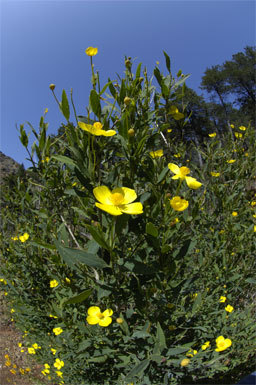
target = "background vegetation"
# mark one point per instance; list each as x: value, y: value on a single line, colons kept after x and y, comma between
x: 176, y: 278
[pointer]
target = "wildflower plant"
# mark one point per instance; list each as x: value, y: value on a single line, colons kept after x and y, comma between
x: 120, y: 278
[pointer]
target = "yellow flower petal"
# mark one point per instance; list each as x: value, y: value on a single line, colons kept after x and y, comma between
x: 105, y: 321
x: 102, y: 194
x: 132, y: 208
x: 113, y: 210
x: 92, y: 320
x: 192, y: 182
x: 129, y: 195
x: 91, y: 51
x: 108, y: 313
x: 178, y: 203
x: 93, y: 310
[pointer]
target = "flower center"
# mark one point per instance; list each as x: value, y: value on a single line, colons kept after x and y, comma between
x: 100, y: 315
x: 117, y: 199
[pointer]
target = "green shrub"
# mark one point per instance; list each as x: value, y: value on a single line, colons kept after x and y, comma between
x: 170, y: 276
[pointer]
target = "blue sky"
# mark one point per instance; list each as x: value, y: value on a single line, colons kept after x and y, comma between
x: 43, y: 42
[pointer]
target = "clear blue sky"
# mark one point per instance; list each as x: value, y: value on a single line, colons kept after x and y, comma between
x: 43, y: 42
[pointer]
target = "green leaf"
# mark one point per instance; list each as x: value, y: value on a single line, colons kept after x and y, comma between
x: 178, y: 350
x: 138, y: 369
x: 42, y: 245
x: 98, y: 359
x: 83, y: 345
x: 151, y: 229
x: 77, y: 298
x: 157, y: 358
x: 167, y: 61
x: 112, y: 88
x: 65, y: 105
x: 251, y: 280
x: 105, y: 87
x: 140, y: 334
x: 187, y: 246
x: 158, y: 76
x: 162, y: 175
x: 64, y: 159
x: 98, y: 237
x: 138, y: 71
x: 160, y: 337
x: 23, y: 136
x: 95, y: 103
x: 75, y: 256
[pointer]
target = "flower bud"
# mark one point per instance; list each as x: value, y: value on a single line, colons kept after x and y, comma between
x: 119, y: 320
x: 131, y: 132
x: 127, y: 63
x: 52, y: 86
x: 185, y: 362
x: 127, y: 100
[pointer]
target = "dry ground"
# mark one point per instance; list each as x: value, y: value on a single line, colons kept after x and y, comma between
x: 9, y: 339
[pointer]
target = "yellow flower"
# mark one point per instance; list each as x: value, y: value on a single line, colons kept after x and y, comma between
x: 52, y: 316
x: 14, y: 238
x: 31, y: 351
x: 191, y: 353
x: 45, y: 110
x: 59, y: 373
x: 242, y: 128
x: 216, y: 174
x: 238, y: 135
x: 22, y: 371
x: 178, y: 203
x: 53, y: 351
x: 222, y: 343
x: 169, y: 130
x: 185, y: 362
x: 96, y: 129
x: 156, y: 154
x: 254, y: 228
x: 234, y: 213
x: 231, y: 161
x: 177, y: 155
x: 3, y: 280
x: 222, y: 299
x: 24, y: 237
x: 96, y: 317
x: 253, y: 203
x: 229, y: 308
x: 8, y: 363
x: 28, y: 370
x: 232, y: 126
x: 246, y: 154
x: 58, y: 364
x: 205, y: 345
x: 12, y: 311
x: 117, y: 201
x: 212, y: 135
x: 91, y: 51
x: 35, y: 346
x: 181, y: 173
x: 47, y: 366
x: 54, y: 283
x: 13, y: 371
x: 57, y: 331
x: 119, y: 320
x: 173, y: 110
x: 67, y: 280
